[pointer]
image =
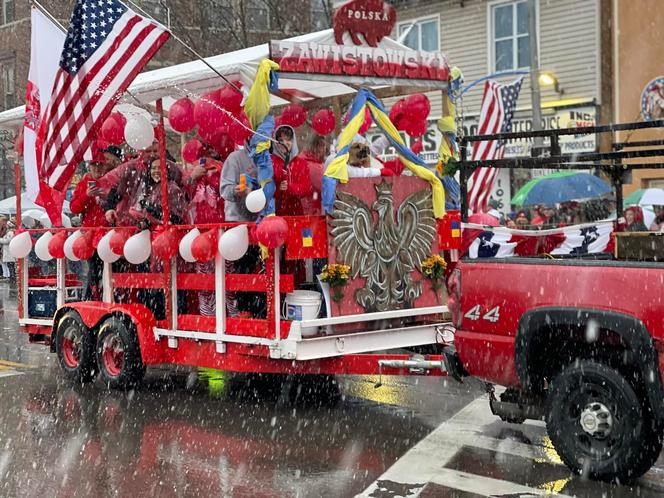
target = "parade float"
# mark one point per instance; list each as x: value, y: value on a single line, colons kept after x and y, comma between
x: 381, y: 238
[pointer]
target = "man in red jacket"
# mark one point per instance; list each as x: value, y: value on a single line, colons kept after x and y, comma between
x: 87, y: 201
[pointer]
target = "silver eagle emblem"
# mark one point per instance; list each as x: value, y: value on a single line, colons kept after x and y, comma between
x: 385, y: 252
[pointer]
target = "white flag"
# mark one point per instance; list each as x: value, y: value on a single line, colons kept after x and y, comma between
x: 46, y: 47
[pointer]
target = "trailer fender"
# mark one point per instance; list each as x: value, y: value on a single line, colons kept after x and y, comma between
x: 632, y: 332
x: 93, y: 313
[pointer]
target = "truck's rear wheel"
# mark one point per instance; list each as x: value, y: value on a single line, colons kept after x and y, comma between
x: 598, y: 424
x: 75, y: 349
x: 118, y: 354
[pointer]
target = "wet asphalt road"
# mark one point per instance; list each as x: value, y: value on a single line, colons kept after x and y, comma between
x: 185, y: 433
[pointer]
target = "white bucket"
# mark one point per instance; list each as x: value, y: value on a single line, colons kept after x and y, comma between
x: 303, y: 305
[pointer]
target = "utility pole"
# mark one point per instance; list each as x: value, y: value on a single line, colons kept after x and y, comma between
x: 534, y: 72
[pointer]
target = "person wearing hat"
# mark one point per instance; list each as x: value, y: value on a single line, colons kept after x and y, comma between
x: 87, y: 201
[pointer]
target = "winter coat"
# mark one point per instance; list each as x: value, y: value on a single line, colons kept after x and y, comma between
x: 91, y: 208
x: 4, y: 242
x: 236, y: 164
x: 206, y: 205
x: 290, y: 201
x: 312, y: 204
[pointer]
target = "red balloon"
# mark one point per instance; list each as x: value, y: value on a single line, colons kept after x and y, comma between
x: 272, y: 231
x: 113, y: 128
x: 224, y: 145
x: 204, y: 247
x: 165, y: 244
x: 417, y: 107
x: 18, y: 143
x: 207, y: 112
x: 118, y: 240
x: 294, y: 115
x: 323, y: 122
x: 415, y: 128
x: 238, y: 133
x: 192, y: 151
x: 230, y: 98
x: 417, y: 147
x: 56, y: 246
x: 83, y: 247
x: 181, y: 115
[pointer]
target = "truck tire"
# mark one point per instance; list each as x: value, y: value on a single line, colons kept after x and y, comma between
x: 119, y: 355
x: 598, y: 425
x: 75, y: 347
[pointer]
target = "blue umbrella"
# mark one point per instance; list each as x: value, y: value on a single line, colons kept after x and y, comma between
x: 560, y: 187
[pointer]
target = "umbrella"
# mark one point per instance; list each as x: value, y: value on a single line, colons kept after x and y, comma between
x: 646, y: 197
x: 560, y: 187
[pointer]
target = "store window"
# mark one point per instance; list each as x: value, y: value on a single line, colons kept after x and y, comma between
x: 257, y: 15
x: 510, y: 43
x: 8, y: 13
x: 320, y: 14
x: 424, y: 34
x: 8, y: 85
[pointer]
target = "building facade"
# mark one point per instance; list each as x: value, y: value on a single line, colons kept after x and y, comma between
x: 483, y: 37
x: 639, y: 75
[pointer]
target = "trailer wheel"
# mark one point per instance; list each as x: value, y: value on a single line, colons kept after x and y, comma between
x: 74, y: 345
x: 598, y: 425
x: 119, y: 355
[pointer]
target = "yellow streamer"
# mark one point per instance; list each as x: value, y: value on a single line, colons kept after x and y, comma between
x: 338, y: 168
x: 383, y: 121
x: 257, y: 105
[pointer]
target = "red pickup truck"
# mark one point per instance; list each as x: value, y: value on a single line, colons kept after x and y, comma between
x: 576, y: 342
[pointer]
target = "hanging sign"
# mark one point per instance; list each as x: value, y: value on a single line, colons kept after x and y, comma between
x: 652, y: 100
x: 358, y: 61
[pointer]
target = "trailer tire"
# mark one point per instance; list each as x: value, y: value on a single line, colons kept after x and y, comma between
x: 75, y: 348
x: 598, y: 425
x: 118, y: 354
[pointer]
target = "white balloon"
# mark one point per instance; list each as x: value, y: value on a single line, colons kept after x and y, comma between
x: 45, y: 221
x: 185, y: 245
x: 104, y: 248
x: 41, y: 247
x: 256, y: 200
x: 69, y: 245
x: 138, y: 248
x: 29, y: 217
x: 20, y: 245
x: 233, y: 243
x: 138, y: 132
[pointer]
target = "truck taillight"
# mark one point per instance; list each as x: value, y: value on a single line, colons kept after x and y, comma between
x: 454, y: 297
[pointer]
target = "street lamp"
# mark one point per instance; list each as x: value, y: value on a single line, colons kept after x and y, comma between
x: 547, y: 78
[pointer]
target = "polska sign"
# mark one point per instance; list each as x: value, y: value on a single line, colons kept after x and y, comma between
x: 370, y: 18
x: 349, y: 60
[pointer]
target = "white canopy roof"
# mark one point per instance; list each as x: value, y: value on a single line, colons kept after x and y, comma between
x: 174, y: 82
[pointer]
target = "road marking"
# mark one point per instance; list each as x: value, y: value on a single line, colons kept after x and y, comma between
x: 13, y: 364
x: 486, y: 486
x: 9, y: 373
x: 425, y: 462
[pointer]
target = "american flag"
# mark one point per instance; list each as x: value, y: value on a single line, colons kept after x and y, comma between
x: 107, y: 45
x: 498, y: 104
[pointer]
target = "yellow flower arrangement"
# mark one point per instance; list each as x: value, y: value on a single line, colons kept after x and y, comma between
x: 336, y: 275
x: 434, y: 267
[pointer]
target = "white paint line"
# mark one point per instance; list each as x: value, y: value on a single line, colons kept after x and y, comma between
x: 485, y: 486
x: 427, y: 459
x: 9, y: 373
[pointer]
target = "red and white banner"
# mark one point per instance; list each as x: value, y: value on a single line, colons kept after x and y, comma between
x: 47, y: 41
x: 480, y: 241
x: 376, y: 65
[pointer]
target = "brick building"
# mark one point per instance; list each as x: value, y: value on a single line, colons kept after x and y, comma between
x: 209, y: 26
